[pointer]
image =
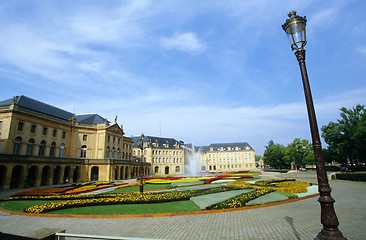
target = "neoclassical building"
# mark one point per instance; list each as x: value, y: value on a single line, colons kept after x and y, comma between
x: 226, y: 157
x: 166, y: 155
x: 44, y: 145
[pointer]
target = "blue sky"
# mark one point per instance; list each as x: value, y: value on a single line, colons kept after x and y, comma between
x: 198, y: 71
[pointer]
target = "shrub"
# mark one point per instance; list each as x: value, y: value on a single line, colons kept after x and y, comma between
x: 352, y: 176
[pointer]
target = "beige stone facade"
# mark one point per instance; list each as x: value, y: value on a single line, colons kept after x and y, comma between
x: 44, y: 145
x: 227, y: 157
x: 166, y: 155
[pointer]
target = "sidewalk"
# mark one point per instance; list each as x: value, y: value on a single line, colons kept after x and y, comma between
x: 296, y: 220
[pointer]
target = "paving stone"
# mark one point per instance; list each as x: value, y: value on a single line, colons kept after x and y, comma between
x: 295, y: 220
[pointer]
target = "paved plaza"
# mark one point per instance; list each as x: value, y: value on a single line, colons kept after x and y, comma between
x: 296, y: 220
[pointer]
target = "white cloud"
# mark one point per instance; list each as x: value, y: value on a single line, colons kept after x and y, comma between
x: 188, y: 42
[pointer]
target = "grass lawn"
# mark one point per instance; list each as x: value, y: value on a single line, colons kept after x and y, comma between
x: 147, y: 187
x: 19, y: 205
x: 170, y: 207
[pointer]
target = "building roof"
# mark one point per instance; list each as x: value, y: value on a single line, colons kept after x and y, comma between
x: 90, y: 119
x: 227, y: 146
x: 44, y: 108
x: 158, y: 141
x: 37, y: 106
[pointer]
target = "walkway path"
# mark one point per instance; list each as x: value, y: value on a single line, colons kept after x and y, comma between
x: 297, y: 220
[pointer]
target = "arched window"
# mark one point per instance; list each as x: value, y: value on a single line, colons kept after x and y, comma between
x: 42, y: 148
x: 177, y: 169
x: 16, y: 147
x: 62, y: 150
x: 83, y: 152
x: 52, y: 149
x: 30, y: 147
x: 94, y: 173
x: 156, y: 169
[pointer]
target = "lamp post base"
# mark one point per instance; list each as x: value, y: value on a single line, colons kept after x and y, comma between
x: 330, y: 234
x: 141, y: 187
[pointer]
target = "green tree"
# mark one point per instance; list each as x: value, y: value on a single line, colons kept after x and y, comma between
x: 341, y: 135
x: 360, y: 137
x: 300, y: 153
x: 274, y: 155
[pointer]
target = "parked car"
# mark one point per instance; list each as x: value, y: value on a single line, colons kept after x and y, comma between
x: 347, y: 168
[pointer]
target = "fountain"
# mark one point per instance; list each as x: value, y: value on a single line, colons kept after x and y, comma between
x: 191, y: 165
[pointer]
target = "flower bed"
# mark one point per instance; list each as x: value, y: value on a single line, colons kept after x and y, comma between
x: 72, y: 200
x: 291, y: 187
x: 242, y: 199
x: 267, y: 198
x: 209, y: 200
x: 41, y: 192
x: 125, y: 198
x: 268, y: 182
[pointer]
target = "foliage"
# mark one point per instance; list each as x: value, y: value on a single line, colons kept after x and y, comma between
x: 360, y: 138
x: 274, y: 155
x: 300, y: 153
x: 352, y: 176
x: 346, y: 136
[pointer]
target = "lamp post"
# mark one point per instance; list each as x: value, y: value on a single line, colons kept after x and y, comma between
x: 141, y: 146
x: 295, y: 27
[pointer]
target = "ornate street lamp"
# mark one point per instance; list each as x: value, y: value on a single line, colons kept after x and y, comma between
x: 141, y: 146
x: 295, y: 27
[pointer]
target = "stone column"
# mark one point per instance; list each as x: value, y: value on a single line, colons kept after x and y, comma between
x: 38, y: 176
x: 60, y: 179
x: 7, y: 178
x: 50, y: 175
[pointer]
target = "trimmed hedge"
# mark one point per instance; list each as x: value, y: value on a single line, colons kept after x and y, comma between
x: 352, y: 176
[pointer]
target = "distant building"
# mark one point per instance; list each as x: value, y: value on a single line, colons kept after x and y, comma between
x: 227, y: 157
x: 44, y: 145
x: 169, y: 156
x: 166, y: 155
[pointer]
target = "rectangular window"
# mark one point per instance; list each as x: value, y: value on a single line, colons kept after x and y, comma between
x: 119, y: 141
x: 54, y: 133
x: 44, y: 131
x: 63, y: 134
x: 85, y: 137
x: 20, y: 126
x: 33, y: 129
